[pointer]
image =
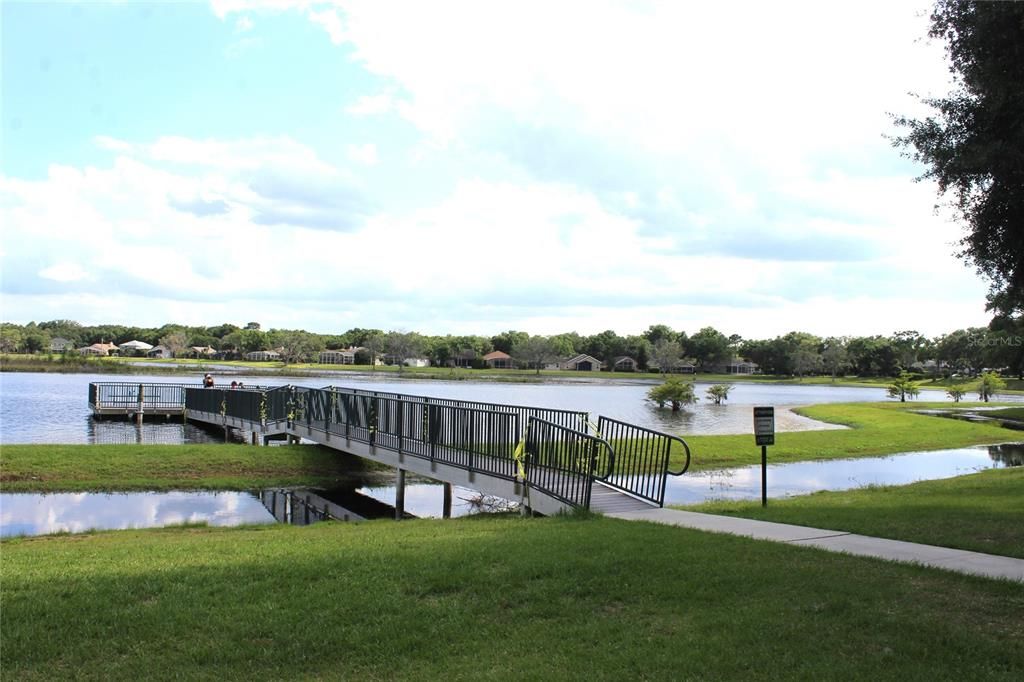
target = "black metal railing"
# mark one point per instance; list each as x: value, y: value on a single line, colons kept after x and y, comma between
x: 131, y: 396
x: 641, y: 459
x: 560, y: 460
x: 563, y: 462
x: 574, y: 419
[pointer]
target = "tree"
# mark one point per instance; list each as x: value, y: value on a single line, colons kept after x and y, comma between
x: 403, y: 345
x: 719, y: 392
x: 973, y: 143
x: 534, y: 351
x: 989, y: 385
x: 674, y: 391
x: 709, y: 346
x: 957, y: 394
x: 834, y: 357
x: 506, y: 341
x: 175, y: 343
x: 666, y: 354
x: 299, y: 346
x: 903, y: 387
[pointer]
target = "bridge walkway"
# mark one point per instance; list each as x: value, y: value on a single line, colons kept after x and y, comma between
x: 552, y: 460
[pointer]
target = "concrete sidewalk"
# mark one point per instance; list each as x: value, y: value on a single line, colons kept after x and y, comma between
x: 974, y: 563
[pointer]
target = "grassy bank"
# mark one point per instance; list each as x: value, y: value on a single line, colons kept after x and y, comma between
x: 168, y: 467
x: 875, y: 429
x: 979, y: 512
x: 489, y: 598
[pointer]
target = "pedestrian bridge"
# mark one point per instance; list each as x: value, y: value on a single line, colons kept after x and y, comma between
x: 552, y: 460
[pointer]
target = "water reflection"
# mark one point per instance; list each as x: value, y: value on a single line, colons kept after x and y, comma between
x: 802, y: 478
x: 39, y: 514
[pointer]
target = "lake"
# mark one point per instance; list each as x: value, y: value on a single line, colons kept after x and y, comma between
x: 53, y: 408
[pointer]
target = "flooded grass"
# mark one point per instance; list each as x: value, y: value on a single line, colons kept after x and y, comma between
x: 874, y: 429
x: 489, y: 598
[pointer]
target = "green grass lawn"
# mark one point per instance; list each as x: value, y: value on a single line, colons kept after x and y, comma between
x: 875, y: 429
x: 980, y: 512
x: 168, y: 467
x: 489, y: 598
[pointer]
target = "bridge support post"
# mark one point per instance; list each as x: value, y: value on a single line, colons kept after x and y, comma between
x: 254, y: 439
x: 400, y: 495
x: 446, y: 510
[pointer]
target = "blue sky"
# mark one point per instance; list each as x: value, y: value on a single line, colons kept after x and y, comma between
x: 472, y: 167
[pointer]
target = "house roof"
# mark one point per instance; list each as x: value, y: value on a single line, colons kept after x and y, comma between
x: 582, y: 357
x: 497, y: 355
x: 138, y: 345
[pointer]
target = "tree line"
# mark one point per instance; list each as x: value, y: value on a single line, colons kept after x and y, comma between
x: 968, y: 351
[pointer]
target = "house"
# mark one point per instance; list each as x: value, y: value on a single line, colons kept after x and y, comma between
x: 582, y: 363
x: 59, y: 345
x: 99, y: 349
x: 134, y: 347
x: 680, y: 366
x: 738, y: 366
x: 337, y: 357
x: 202, y: 351
x: 464, y: 358
x: 499, y: 360
x: 263, y: 356
x: 624, y: 363
x: 159, y: 352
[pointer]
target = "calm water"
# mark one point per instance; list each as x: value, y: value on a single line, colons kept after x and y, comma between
x: 43, y: 513
x: 53, y: 408
x: 35, y: 514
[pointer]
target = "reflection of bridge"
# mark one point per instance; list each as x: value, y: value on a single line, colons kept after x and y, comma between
x: 552, y: 459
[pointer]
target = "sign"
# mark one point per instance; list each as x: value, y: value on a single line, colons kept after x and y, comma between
x: 764, y: 425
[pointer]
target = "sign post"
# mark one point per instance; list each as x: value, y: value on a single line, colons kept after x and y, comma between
x: 764, y: 435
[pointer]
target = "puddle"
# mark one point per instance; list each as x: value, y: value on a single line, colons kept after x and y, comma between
x: 802, y: 478
x: 45, y: 513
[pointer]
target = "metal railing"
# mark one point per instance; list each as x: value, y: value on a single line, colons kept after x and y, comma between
x: 469, y: 438
x: 641, y: 459
x: 560, y: 460
x: 563, y: 462
x: 574, y: 419
x: 128, y: 395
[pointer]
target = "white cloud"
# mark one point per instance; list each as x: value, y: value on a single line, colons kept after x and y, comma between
x: 365, y: 154
x: 244, y: 24
x: 371, y: 105
x: 175, y: 231
x: 64, y: 272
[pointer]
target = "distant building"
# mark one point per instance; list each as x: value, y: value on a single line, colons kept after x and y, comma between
x: 59, y: 345
x: 681, y: 366
x: 263, y: 356
x: 159, y: 352
x: 202, y: 351
x: 499, y: 360
x: 464, y: 358
x: 624, y: 363
x: 337, y: 357
x: 735, y: 366
x: 582, y: 363
x: 135, y: 347
x: 99, y: 349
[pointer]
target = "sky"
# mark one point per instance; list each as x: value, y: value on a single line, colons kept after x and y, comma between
x: 471, y: 167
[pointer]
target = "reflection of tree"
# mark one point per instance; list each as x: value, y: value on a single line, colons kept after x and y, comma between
x: 1008, y: 454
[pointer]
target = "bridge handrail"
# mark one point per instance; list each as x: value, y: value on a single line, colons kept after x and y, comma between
x: 567, y: 470
x: 126, y: 394
x: 644, y: 456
